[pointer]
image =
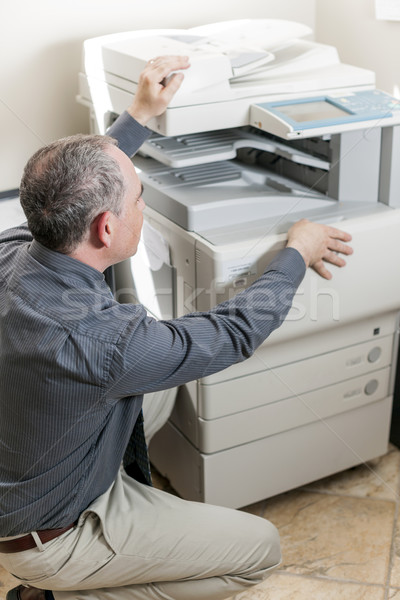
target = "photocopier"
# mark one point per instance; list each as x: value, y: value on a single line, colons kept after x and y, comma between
x: 268, y: 127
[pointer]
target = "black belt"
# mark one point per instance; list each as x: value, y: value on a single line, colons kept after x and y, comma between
x: 27, y: 541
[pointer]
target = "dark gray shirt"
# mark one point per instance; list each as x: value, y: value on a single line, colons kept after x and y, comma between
x: 74, y: 365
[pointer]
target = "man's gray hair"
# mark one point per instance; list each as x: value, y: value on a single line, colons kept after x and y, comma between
x: 65, y: 185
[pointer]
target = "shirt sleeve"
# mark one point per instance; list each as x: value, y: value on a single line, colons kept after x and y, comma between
x: 154, y: 355
x: 20, y: 233
x: 129, y: 133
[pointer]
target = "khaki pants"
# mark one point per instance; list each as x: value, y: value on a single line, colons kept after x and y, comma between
x: 137, y: 542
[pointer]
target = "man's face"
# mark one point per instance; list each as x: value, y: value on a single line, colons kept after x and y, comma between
x: 130, y: 221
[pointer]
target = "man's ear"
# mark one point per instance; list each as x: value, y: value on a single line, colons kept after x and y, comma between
x: 104, y: 228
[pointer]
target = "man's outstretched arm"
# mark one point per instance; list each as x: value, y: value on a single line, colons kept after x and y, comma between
x: 158, y: 82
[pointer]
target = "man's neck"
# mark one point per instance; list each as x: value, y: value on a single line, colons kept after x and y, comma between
x: 92, y: 257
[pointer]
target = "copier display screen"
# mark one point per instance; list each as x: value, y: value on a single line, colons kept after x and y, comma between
x: 311, y: 111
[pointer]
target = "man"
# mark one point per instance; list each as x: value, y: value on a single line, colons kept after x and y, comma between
x: 74, y: 365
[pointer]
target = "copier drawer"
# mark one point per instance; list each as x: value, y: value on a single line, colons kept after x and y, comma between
x: 240, y: 428
x: 272, y: 418
x: 270, y: 385
x: 263, y: 468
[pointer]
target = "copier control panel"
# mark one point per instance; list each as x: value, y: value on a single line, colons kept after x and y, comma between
x: 298, y: 118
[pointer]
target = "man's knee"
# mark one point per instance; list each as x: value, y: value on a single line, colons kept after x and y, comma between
x: 274, y: 554
x: 264, y: 552
x: 270, y: 543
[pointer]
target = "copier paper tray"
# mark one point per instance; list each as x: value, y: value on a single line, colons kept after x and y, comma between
x: 206, y: 198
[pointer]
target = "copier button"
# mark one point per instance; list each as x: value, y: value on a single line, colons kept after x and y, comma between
x: 374, y: 354
x: 371, y: 387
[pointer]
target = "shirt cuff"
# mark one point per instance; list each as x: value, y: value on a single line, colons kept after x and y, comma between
x: 290, y: 262
x: 129, y: 133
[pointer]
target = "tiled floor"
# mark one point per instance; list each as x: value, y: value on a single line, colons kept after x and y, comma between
x: 340, y: 537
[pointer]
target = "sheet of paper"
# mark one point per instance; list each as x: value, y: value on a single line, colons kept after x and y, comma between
x: 153, y: 248
x: 387, y: 10
x: 152, y: 274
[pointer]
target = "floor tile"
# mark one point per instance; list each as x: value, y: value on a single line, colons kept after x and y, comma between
x: 285, y: 587
x: 255, y: 509
x: 394, y: 594
x: 395, y: 574
x: 338, y: 537
x: 378, y: 478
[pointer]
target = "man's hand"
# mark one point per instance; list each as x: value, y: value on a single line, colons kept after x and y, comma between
x: 157, y: 87
x: 318, y: 243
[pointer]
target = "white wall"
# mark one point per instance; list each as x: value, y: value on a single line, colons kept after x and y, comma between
x: 361, y: 39
x: 41, y: 40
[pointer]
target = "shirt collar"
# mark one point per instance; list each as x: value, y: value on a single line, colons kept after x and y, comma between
x: 64, y: 264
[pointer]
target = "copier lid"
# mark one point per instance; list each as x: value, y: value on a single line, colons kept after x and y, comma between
x: 218, y: 52
x: 224, y: 68
x: 233, y: 65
